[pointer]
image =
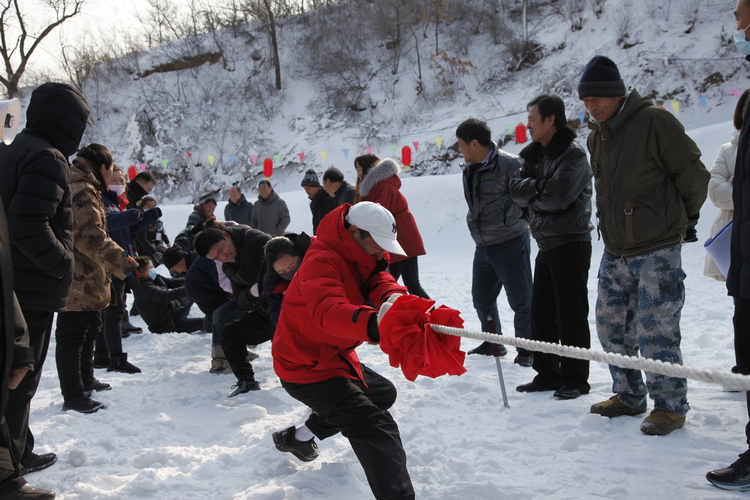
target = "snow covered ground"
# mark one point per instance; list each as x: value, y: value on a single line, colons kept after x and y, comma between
x: 172, y: 433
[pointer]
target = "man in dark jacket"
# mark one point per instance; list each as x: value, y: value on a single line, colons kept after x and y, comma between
x: 238, y: 209
x: 650, y: 185
x: 320, y: 201
x: 502, y: 256
x: 336, y: 186
x: 325, y: 316
x: 17, y: 359
x: 36, y: 197
x: 240, y: 250
x: 554, y: 187
x: 737, y: 475
x: 141, y: 185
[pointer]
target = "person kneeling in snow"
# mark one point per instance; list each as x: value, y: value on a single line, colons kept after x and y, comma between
x: 162, y: 301
x: 323, y: 319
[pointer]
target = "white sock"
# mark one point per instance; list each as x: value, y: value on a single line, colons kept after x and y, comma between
x: 303, y: 433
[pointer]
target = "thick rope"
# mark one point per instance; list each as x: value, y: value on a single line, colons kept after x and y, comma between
x: 733, y: 381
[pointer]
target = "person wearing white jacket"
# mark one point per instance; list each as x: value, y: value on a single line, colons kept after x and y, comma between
x: 720, y: 185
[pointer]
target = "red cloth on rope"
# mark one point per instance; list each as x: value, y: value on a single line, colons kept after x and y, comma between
x: 411, y: 343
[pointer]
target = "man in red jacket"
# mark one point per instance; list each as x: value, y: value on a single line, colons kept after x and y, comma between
x: 323, y: 320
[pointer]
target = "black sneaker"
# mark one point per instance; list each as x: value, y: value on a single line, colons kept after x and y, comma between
x: 244, y: 386
x: 96, y: 385
x: 736, y: 477
x: 82, y: 404
x: 525, y: 358
x: 489, y: 349
x: 307, y: 451
x: 38, y: 462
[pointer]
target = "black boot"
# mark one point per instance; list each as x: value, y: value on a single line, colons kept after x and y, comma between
x: 119, y: 363
x: 101, y: 359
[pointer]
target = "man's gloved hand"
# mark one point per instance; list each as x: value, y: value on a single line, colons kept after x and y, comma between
x: 691, y: 234
x: 387, y: 305
x: 158, y: 259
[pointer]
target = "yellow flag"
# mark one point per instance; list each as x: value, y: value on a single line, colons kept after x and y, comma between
x: 439, y: 141
x: 211, y: 160
x: 323, y: 155
x: 676, y: 106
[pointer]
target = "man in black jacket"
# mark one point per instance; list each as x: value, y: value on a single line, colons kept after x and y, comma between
x: 141, y: 185
x: 238, y: 209
x: 336, y: 186
x: 737, y: 475
x: 240, y: 250
x: 320, y: 201
x: 36, y: 197
x: 554, y: 188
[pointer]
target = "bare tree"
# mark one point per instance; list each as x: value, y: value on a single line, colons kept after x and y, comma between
x: 267, y: 12
x: 18, y: 40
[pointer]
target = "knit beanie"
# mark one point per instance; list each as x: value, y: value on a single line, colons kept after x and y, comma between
x: 311, y: 179
x: 173, y: 256
x: 601, y: 78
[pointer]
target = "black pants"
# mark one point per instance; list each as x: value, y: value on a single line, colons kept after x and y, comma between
x: 361, y: 415
x: 741, y: 322
x: 559, y: 313
x: 409, y: 268
x: 75, y: 336
x: 252, y: 328
x: 208, y: 309
x: 39, y: 324
x: 110, y: 337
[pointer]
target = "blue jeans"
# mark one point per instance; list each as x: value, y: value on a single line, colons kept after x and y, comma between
x: 223, y: 315
x: 506, y: 264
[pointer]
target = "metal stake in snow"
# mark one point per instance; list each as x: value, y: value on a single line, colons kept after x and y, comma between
x: 502, y: 381
x: 730, y: 380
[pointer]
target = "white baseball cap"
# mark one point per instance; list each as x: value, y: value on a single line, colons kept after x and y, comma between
x: 378, y: 221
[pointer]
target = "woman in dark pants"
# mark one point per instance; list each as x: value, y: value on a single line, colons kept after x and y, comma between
x: 95, y: 256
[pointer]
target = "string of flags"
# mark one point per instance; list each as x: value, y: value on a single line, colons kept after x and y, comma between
x: 518, y: 132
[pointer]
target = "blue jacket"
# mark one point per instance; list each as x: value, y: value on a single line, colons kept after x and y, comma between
x: 202, y: 282
x: 122, y: 225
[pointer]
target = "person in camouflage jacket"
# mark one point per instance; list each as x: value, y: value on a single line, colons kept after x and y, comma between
x: 95, y: 256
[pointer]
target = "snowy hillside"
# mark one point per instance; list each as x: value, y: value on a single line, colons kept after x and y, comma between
x: 345, y: 88
x: 171, y: 432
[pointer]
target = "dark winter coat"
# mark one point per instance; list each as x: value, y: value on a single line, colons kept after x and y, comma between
x: 134, y: 193
x: 493, y: 215
x: 648, y: 177
x: 15, y: 352
x: 198, y: 216
x: 152, y: 241
x: 554, y: 186
x: 95, y: 254
x: 184, y: 239
x: 240, y: 212
x: 245, y: 271
x: 345, y: 194
x: 738, y: 277
x: 202, y: 282
x: 36, y: 195
x: 382, y: 185
x: 158, y: 301
x: 324, y: 317
x: 270, y: 215
x: 122, y: 225
x: 320, y: 205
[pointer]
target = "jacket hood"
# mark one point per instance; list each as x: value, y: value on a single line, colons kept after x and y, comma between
x: 59, y: 113
x: 386, y: 168
x: 332, y: 232
x: 556, y: 146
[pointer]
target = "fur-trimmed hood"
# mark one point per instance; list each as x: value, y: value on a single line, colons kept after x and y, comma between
x: 558, y: 145
x: 385, y: 168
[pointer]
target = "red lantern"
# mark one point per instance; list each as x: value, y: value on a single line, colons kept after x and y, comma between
x: 268, y: 167
x: 132, y: 172
x: 406, y: 156
x: 520, y: 133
